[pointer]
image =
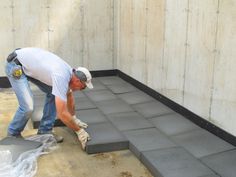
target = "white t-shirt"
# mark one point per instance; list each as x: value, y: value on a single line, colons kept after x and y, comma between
x: 47, y: 68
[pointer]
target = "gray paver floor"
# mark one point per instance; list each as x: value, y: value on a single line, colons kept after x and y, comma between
x: 121, y: 116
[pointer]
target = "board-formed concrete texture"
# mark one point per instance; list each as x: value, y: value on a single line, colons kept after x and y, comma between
x: 113, y: 106
x: 136, y: 97
x: 100, y: 95
x: 105, y: 138
x: 202, y: 143
x: 174, y: 162
x: 122, y: 88
x: 173, y: 124
x: 222, y: 163
x: 147, y: 139
x: 17, y: 146
x: 129, y: 121
x: 151, y: 109
x: 91, y: 116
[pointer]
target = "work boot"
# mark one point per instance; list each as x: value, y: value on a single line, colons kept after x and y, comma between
x: 15, y: 136
x: 58, y: 138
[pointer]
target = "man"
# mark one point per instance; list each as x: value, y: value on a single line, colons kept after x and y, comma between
x: 54, y: 77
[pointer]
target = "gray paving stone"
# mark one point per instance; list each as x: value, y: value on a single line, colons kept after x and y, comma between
x: 91, y: 116
x: 111, y: 80
x: 17, y: 146
x: 101, y: 95
x: 147, y: 139
x: 202, y: 143
x: 84, y: 103
x: 97, y: 85
x: 122, y: 88
x: 105, y: 138
x: 152, y: 109
x: 212, y: 175
x: 222, y: 163
x: 173, y: 124
x: 174, y: 162
x: 129, y: 121
x: 136, y: 97
x: 78, y: 94
x: 113, y: 106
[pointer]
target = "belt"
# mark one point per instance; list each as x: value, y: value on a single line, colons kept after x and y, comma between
x: 13, y: 57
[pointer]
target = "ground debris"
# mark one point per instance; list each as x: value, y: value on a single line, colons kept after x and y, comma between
x: 126, y: 174
x: 112, y: 157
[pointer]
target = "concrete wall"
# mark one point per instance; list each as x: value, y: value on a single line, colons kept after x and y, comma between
x: 183, y: 49
x: 80, y: 31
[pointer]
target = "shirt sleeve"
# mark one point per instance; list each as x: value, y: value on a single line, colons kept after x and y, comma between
x: 59, y: 86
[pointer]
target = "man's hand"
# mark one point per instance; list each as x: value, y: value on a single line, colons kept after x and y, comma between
x: 79, y: 122
x: 83, y: 137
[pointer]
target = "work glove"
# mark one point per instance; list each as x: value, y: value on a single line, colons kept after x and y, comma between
x: 83, y: 137
x: 79, y: 122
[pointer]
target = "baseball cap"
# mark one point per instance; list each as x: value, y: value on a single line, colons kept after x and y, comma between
x: 84, y: 75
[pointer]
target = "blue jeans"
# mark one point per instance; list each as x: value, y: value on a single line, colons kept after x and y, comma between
x: 24, y: 95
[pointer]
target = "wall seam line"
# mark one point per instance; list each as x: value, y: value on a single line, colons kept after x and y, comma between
x: 214, y: 62
x: 186, y: 51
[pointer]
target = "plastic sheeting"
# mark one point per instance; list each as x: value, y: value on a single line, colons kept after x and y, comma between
x: 26, y: 163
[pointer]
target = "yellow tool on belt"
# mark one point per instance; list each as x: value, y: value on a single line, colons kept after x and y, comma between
x: 17, y: 72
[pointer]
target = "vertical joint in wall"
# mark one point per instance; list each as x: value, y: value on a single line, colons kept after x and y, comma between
x: 82, y: 30
x: 48, y: 25
x: 215, y: 56
x: 186, y: 50
x: 12, y: 6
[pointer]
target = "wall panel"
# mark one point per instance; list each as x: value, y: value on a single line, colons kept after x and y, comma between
x: 125, y: 38
x: 98, y: 34
x: 154, y: 43
x: 6, y: 33
x: 200, y: 55
x: 174, y: 49
x: 224, y: 89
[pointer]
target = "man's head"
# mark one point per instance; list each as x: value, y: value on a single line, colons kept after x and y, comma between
x: 84, y: 76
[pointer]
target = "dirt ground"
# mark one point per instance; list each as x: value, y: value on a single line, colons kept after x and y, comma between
x: 68, y: 160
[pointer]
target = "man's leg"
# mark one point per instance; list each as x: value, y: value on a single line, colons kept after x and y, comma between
x: 25, y: 99
x: 49, y: 110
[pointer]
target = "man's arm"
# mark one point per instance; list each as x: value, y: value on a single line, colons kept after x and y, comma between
x: 64, y: 115
x: 71, y: 103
